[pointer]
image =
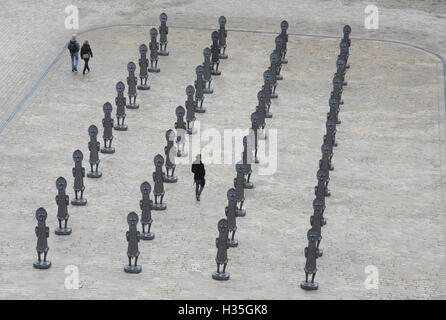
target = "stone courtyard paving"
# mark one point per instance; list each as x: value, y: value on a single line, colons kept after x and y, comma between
x: 387, y: 207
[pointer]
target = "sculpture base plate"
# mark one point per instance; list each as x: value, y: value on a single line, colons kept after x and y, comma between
x: 257, y: 160
x: 279, y: 77
x: 79, y: 202
x: 143, y: 87
x: 232, y: 243
x: 154, y: 70
x: 223, y: 56
x: 208, y: 90
x: 309, y: 285
x: 341, y: 102
x: 269, y: 115
x: 121, y: 127
x: 163, y: 53
x: 94, y: 174
x: 221, y: 276
x: 42, y: 264
x: 345, y: 83
x: 159, y: 206
x: 338, y: 122
x: 347, y: 66
x: 191, y: 131
x: 181, y: 154
x: 132, y: 106
x: 132, y: 269
x: 215, y: 72
x: 200, y: 110
x: 248, y: 185
x: 319, y: 252
x: 284, y: 61
x: 108, y: 150
x: 170, y: 179
x: 274, y: 95
x: 147, y: 235
x: 240, y: 213
x: 62, y: 231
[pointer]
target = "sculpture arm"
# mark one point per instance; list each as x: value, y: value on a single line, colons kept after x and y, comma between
x: 47, y: 232
x: 74, y: 172
x: 127, y: 235
x: 216, y: 242
x: 67, y: 199
x: 140, y: 204
x: 36, y: 230
x: 83, y: 172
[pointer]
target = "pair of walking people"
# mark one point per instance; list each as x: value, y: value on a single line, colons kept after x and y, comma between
x: 86, y: 53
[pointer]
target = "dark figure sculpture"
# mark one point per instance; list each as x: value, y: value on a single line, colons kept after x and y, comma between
x: 327, y: 154
x: 340, y: 69
x: 344, y: 52
x: 94, y: 147
x: 190, y: 109
x: 222, y: 35
x: 163, y: 30
x: 267, y: 90
x: 253, y: 134
x: 230, y: 212
x: 207, y: 71
x: 222, y: 251
x: 159, y: 183
x: 274, y: 60
x: 180, y: 127
x: 278, y: 50
x: 62, y: 201
x: 132, y: 82
x: 170, y: 151
x: 120, y: 101
x: 347, y: 30
x: 42, y: 233
x: 143, y: 66
x: 132, y: 236
x: 146, y: 212
x: 261, y: 112
x: 321, y: 191
x: 247, y: 161
x: 78, y: 174
x: 284, y: 36
x: 239, y: 185
x: 330, y: 136
x: 317, y: 221
x: 200, y: 85
x: 332, y: 115
x: 337, y: 89
x: 310, y: 265
x: 215, y: 57
x: 154, y: 47
x: 107, y: 123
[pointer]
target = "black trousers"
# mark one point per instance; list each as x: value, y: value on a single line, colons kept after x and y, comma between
x: 86, y: 65
x: 199, y: 185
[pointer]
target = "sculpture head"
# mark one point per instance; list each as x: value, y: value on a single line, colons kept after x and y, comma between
x: 312, y: 236
x: 239, y: 168
x: 261, y: 96
x: 337, y: 82
x: 180, y: 112
x: 131, y: 67
x: 333, y: 103
x: 326, y: 150
x: 61, y: 184
x: 120, y: 87
x: 222, y: 226
x: 199, y: 71
x: 274, y: 57
x: 343, y: 45
x: 347, y: 29
x: 132, y: 219
x: 163, y: 17
x: 222, y: 21
x: 41, y: 214
x: 145, y: 188
x: 214, y: 36
x: 267, y: 76
x: 153, y: 33
x: 331, y: 126
x: 318, y: 206
x: 232, y: 195
x: 190, y: 90
x: 107, y: 107
x: 340, y: 63
x: 93, y: 131
x: 322, y: 175
x: 255, y: 118
x: 78, y: 156
x: 158, y: 161
x: 245, y: 141
x: 170, y: 135
x: 284, y: 25
x: 207, y: 52
x: 278, y: 41
x: 246, y: 169
x: 143, y: 49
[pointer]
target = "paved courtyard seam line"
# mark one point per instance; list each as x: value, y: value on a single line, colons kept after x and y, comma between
x: 42, y: 77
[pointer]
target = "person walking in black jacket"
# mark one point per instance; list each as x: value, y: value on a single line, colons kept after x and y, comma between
x: 199, y: 173
x: 86, y: 54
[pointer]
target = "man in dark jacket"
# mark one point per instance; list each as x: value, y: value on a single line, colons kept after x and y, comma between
x: 199, y: 173
x: 74, y: 47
